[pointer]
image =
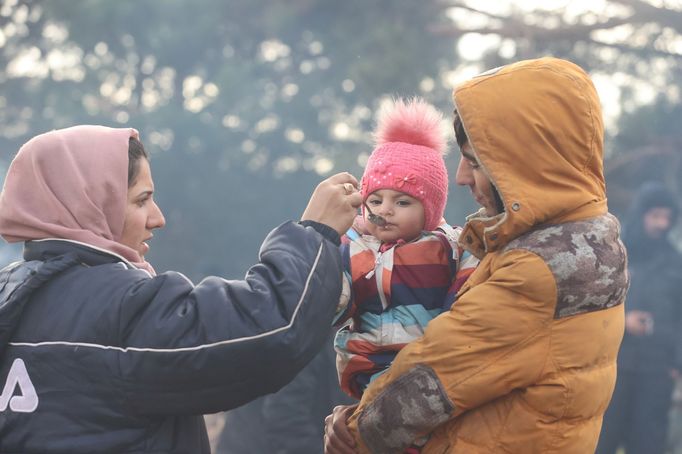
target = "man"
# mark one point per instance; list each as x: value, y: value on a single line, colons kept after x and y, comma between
x: 651, y: 355
x: 525, y: 361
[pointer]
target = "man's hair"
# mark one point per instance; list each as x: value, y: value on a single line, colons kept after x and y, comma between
x: 136, y: 152
x: 460, y: 133
x: 463, y: 139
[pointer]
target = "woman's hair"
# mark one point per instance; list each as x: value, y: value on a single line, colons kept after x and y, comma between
x: 136, y: 152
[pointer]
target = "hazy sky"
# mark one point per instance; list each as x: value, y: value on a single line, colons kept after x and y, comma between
x: 609, y: 85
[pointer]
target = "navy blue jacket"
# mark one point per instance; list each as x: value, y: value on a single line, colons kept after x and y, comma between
x: 97, y: 356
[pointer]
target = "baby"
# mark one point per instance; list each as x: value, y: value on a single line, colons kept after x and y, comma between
x: 403, y: 266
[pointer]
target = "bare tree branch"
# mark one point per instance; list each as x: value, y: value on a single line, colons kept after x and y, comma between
x: 646, y: 51
x: 664, y: 146
x: 646, y: 12
x: 514, y: 27
x: 622, y: 160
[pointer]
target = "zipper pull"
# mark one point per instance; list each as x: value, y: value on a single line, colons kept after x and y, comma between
x: 377, y: 262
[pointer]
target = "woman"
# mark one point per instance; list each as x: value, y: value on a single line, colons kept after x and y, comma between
x: 98, y: 353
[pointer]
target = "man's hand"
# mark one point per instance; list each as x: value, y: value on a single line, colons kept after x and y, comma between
x: 638, y: 323
x: 334, y: 202
x: 337, y: 437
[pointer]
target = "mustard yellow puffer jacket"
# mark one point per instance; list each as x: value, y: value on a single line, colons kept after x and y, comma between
x: 525, y: 362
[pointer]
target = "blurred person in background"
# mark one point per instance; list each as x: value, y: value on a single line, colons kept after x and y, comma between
x: 650, y: 357
x: 98, y: 353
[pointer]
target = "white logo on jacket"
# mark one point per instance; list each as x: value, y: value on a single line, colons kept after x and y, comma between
x: 27, y: 400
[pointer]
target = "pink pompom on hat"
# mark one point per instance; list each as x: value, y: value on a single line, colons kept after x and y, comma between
x: 408, y: 157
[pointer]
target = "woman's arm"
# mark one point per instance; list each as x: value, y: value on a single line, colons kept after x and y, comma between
x: 219, y: 344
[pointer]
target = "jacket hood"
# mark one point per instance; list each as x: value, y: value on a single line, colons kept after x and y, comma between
x: 536, y: 128
x: 18, y: 281
x: 641, y: 246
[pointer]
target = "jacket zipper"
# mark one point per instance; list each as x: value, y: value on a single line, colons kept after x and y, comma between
x: 379, y: 278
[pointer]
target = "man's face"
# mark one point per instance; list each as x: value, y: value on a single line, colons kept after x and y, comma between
x: 470, y: 173
x: 657, y: 221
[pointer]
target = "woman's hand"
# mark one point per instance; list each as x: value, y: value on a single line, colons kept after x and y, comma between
x: 334, y: 202
x: 337, y: 437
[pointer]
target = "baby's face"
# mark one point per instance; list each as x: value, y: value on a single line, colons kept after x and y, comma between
x: 404, y: 215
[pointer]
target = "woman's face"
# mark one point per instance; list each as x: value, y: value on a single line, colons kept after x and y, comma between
x: 142, y: 214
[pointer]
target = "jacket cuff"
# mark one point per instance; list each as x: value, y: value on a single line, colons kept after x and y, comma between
x: 324, y: 230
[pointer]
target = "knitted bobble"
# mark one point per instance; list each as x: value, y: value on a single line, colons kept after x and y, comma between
x: 414, y: 122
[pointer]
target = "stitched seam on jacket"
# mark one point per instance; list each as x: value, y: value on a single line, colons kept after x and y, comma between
x: 538, y: 332
x: 497, y: 443
x: 492, y: 362
x: 184, y: 349
x: 557, y: 434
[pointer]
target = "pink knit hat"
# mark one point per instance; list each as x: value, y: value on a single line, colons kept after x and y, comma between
x: 409, y: 157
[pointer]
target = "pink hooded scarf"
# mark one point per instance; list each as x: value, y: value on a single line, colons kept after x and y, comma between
x: 71, y: 184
